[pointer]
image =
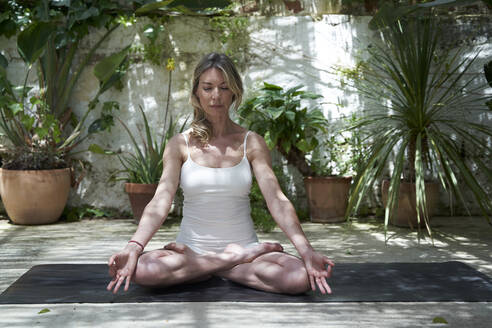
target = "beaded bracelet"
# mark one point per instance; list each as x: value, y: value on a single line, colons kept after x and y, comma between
x: 136, y: 242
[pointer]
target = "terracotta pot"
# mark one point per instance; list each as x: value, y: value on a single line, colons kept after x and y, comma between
x: 406, y: 213
x: 140, y: 195
x: 34, y: 196
x: 327, y: 198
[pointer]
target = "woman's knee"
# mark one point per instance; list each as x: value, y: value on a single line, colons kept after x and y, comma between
x: 151, y: 268
x: 297, y: 281
x: 293, y: 275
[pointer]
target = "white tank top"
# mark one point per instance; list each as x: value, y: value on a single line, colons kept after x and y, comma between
x: 216, y: 208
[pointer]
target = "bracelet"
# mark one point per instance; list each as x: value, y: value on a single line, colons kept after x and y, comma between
x: 136, y: 242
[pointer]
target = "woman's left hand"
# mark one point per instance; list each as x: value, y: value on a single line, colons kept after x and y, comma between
x: 319, y: 268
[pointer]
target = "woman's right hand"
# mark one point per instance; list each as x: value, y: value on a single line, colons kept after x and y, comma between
x: 122, y: 266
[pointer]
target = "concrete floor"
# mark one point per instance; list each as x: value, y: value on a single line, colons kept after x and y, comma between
x: 465, y: 239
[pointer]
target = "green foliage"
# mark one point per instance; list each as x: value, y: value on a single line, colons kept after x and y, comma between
x: 153, y: 49
x: 233, y: 35
x: 73, y: 214
x: 420, y: 105
x: 439, y: 320
x: 287, y: 125
x: 340, y: 151
x: 51, y: 38
x: 144, y: 164
x: 260, y: 214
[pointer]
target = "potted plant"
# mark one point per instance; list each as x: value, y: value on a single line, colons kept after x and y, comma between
x: 142, y: 168
x: 420, y: 105
x: 295, y: 131
x: 39, y: 129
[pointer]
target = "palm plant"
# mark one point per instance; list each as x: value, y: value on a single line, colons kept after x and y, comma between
x: 425, y: 120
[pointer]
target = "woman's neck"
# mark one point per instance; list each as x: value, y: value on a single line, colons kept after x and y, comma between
x: 221, y: 126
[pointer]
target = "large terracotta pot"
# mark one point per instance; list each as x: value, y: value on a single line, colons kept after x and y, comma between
x: 140, y: 195
x: 406, y: 213
x: 327, y: 198
x: 34, y: 196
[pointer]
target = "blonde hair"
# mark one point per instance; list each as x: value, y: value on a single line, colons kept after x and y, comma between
x: 200, y: 126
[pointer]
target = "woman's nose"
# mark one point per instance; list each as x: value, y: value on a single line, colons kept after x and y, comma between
x: 215, y: 93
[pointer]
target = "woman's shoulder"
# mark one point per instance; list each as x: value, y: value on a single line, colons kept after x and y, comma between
x: 179, y: 138
x: 177, y: 143
x: 255, y: 139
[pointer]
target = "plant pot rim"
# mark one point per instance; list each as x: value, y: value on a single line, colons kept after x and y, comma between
x: 9, y: 171
x: 328, y: 177
x: 140, y: 188
x: 140, y: 184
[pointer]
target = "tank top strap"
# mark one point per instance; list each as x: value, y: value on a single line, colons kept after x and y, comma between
x: 187, y: 146
x: 245, y: 140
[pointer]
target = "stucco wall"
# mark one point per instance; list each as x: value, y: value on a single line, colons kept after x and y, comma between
x: 287, y: 51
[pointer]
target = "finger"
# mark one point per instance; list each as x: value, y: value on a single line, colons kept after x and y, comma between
x: 311, y: 282
x: 329, y: 262
x: 112, y: 260
x: 320, y: 285
x: 118, y: 284
x: 328, y: 271
x: 325, y: 284
x: 111, y: 284
x: 127, y: 284
x: 112, y: 272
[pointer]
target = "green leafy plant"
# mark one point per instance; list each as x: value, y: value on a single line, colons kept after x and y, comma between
x: 340, y: 151
x: 40, y: 120
x: 262, y: 219
x: 419, y: 115
x: 233, y: 35
x: 144, y: 164
x: 287, y: 125
x: 77, y: 213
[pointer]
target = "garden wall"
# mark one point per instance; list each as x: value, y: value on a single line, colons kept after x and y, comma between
x: 287, y: 51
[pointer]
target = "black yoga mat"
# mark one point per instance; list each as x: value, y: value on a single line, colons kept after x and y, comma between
x: 351, y: 282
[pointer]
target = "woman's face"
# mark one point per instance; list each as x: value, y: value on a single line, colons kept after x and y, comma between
x: 213, y: 92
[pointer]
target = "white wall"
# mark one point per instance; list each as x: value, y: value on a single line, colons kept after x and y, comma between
x: 282, y: 50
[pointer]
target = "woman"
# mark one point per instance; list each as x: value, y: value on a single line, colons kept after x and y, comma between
x: 212, y: 162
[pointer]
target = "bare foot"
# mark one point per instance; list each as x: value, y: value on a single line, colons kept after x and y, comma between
x: 248, y: 254
x: 179, y: 248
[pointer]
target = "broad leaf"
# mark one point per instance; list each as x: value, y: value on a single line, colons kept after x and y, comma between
x: 32, y: 41
x: 268, y: 86
x: 152, y: 6
x: 109, y: 65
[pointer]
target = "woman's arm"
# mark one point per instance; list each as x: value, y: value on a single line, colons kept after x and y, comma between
x: 283, y: 212
x: 122, y: 264
x: 155, y: 213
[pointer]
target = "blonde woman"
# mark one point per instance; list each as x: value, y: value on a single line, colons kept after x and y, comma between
x: 213, y: 162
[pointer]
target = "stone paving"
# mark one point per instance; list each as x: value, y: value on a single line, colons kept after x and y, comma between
x: 466, y: 239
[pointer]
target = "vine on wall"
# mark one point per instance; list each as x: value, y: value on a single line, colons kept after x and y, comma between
x: 232, y: 33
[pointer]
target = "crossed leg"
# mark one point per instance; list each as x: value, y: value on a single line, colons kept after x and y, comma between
x: 262, y: 267
x: 177, y: 263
